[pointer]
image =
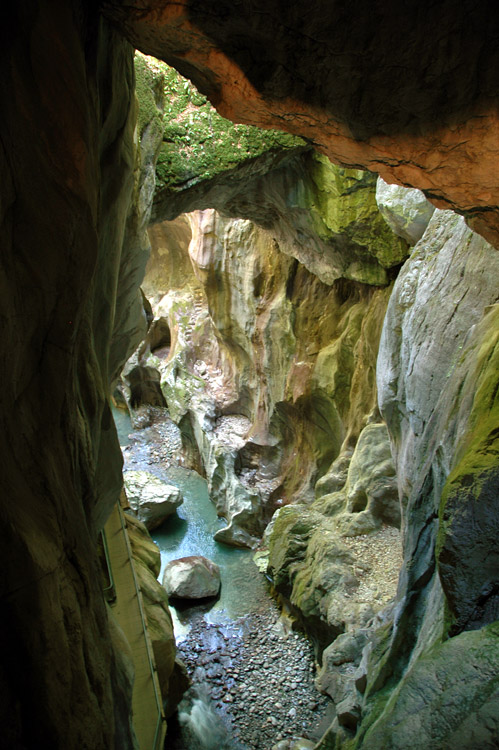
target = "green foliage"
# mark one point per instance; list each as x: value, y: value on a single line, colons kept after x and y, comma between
x: 150, y: 80
x: 197, y: 142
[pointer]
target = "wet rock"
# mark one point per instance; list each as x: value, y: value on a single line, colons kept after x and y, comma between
x: 151, y: 500
x: 262, y: 709
x: 193, y: 577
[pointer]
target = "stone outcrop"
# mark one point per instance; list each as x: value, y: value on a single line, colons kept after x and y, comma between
x: 193, y: 577
x: 67, y: 162
x: 407, y: 212
x: 390, y: 91
x: 438, y: 395
x: 151, y: 500
x: 274, y: 368
x: 173, y: 680
x: 332, y: 582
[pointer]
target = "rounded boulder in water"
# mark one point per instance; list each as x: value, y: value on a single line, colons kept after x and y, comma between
x: 193, y: 577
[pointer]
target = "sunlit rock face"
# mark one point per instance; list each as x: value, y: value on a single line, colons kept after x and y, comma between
x: 411, y: 95
x: 274, y: 368
x: 437, y: 379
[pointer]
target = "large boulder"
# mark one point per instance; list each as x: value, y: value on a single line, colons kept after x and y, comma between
x: 151, y: 500
x: 193, y: 577
x: 407, y: 212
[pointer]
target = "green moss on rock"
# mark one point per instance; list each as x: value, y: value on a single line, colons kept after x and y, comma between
x: 469, y: 521
x: 343, y: 202
x: 198, y: 143
x: 150, y: 78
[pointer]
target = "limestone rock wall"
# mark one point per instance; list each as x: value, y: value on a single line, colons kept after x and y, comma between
x: 437, y: 379
x: 67, y: 161
x: 275, y: 368
x: 409, y: 95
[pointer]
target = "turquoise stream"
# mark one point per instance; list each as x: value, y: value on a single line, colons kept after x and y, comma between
x: 190, y: 532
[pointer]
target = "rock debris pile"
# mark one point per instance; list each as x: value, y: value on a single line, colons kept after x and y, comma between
x: 257, y: 678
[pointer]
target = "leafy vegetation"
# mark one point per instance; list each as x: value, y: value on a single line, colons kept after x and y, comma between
x: 197, y: 142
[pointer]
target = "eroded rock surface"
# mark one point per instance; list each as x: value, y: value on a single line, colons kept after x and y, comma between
x: 439, y: 338
x: 151, y: 500
x: 391, y: 90
x: 273, y: 367
x: 173, y: 680
x: 193, y: 577
x: 406, y: 211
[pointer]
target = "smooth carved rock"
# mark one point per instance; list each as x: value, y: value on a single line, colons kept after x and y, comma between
x: 193, y: 577
x: 274, y: 368
x: 151, y: 499
x: 173, y: 681
x: 65, y: 198
x: 449, y: 698
x: 406, y: 211
x: 371, y: 487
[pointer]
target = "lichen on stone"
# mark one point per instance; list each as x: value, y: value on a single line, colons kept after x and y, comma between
x: 198, y: 143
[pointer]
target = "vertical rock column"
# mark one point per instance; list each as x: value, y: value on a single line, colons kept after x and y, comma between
x: 66, y: 161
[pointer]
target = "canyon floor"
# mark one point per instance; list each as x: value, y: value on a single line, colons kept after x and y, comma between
x: 253, y: 676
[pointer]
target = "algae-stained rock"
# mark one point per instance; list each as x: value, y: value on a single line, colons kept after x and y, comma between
x: 448, y: 699
x: 193, y: 577
x: 340, y: 659
x: 257, y: 341
x: 467, y: 550
x: 371, y: 487
x: 343, y: 206
x: 406, y: 210
x: 313, y: 569
x: 151, y: 499
x: 147, y: 562
x: 198, y: 143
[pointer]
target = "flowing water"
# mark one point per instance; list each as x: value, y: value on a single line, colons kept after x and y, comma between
x: 219, y: 627
x: 190, y: 532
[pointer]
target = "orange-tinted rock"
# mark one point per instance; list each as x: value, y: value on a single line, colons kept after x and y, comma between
x: 406, y: 91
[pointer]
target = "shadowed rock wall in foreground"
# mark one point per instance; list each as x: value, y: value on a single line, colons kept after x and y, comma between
x: 66, y: 161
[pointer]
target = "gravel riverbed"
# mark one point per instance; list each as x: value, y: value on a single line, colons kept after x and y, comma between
x: 252, y: 677
x: 255, y: 680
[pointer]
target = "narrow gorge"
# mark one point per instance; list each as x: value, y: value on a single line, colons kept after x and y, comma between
x: 292, y: 317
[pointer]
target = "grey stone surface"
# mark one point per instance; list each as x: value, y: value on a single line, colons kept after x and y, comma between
x: 151, y: 499
x: 193, y: 577
x: 405, y: 210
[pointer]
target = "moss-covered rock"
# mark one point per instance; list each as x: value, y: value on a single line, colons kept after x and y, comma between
x: 326, y: 215
x: 197, y: 142
x: 448, y: 699
x: 342, y: 203
x: 469, y: 520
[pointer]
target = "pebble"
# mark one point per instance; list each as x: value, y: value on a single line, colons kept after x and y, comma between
x: 259, y: 680
x: 263, y: 704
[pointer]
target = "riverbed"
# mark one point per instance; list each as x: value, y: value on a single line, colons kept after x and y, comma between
x: 253, y: 677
